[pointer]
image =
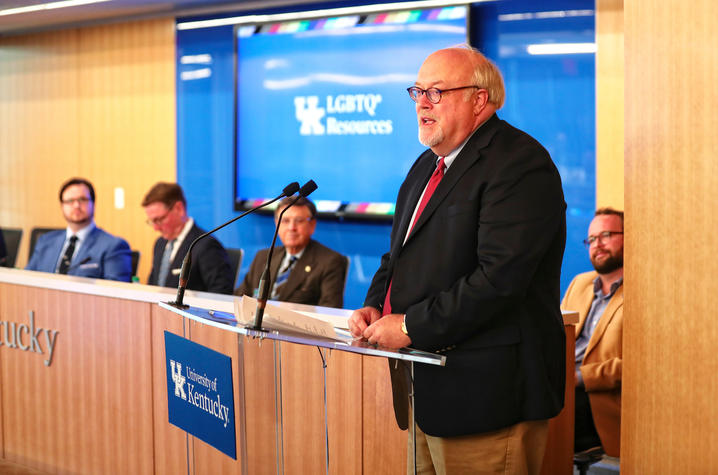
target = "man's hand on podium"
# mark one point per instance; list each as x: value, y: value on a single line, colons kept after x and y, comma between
x: 361, y: 319
x: 384, y: 331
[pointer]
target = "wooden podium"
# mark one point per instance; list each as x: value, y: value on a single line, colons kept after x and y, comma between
x: 263, y: 394
x: 100, y: 406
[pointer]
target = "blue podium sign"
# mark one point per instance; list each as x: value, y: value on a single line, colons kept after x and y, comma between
x: 200, y: 395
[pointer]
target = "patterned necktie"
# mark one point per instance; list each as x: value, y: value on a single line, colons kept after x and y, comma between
x: 430, y: 188
x: 67, y: 257
x: 166, y: 262
x: 283, y: 276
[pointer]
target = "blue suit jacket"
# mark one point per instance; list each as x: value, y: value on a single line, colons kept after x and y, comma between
x: 101, y: 256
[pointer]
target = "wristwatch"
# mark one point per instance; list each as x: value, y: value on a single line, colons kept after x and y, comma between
x: 403, y: 326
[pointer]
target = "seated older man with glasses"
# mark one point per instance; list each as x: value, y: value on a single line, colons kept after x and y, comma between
x: 302, y: 270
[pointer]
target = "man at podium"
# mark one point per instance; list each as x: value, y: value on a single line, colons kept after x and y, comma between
x: 473, y: 273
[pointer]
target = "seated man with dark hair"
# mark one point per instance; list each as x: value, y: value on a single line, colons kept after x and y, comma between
x: 598, y: 298
x: 166, y: 209
x: 302, y: 270
x: 82, y: 249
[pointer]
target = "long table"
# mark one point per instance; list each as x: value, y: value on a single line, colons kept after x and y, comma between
x: 83, y: 388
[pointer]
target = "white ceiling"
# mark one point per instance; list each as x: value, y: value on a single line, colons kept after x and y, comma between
x: 119, y: 10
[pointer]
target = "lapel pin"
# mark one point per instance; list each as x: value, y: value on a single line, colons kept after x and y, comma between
x: 308, y: 269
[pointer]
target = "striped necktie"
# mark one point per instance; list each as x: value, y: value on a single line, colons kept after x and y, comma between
x: 283, y: 276
x: 67, y: 257
x: 166, y: 262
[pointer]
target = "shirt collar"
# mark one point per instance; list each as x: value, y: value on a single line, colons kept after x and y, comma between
x: 287, y: 255
x: 598, y: 285
x: 449, y: 159
x: 82, y: 233
x: 185, y: 230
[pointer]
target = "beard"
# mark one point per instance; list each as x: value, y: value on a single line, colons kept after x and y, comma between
x: 81, y: 218
x: 430, y: 139
x: 608, y: 265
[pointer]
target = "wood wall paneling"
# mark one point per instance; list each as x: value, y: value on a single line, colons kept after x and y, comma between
x: 97, y: 102
x: 127, y: 121
x: 670, y: 387
x: 609, y: 104
x: 38, y: 127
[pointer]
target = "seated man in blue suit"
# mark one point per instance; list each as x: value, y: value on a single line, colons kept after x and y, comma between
x: 166, y: 209
x: 82, y: 249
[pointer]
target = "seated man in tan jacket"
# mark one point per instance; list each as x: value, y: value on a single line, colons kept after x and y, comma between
x: 598, y: 297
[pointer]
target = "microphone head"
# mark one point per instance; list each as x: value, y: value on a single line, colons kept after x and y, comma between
x: 290, y: 189
x: 308, y: 188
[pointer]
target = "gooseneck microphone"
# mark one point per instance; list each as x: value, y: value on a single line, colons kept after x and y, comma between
x: 307, y: 189
x: 289, y: 190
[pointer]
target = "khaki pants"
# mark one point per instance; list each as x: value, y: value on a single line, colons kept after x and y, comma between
x: 518, y: 449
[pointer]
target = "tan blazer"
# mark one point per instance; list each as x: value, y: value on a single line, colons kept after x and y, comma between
x: 603, y: 362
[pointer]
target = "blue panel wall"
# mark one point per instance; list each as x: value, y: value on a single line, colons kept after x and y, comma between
x: 205, y: 161
x: 551, y: 97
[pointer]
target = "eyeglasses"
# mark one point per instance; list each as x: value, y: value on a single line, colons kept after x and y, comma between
x: 158, y: 221
x: 81, y: 201
x: 601, y: 237
x: 297, y: 221
x: 433, y: 94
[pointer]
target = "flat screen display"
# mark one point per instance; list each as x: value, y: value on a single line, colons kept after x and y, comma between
x: 326, y: 100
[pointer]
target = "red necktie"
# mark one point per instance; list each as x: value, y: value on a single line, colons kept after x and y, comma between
x: 430, y: 188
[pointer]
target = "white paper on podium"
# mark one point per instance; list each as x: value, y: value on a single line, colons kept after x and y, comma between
x: 277, y: 318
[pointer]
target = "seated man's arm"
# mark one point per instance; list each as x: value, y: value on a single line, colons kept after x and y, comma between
x: 117, y: 263
x: 251, y: 279
x: 602, y: 376
x: 214, y: 267
x: 332, y: 284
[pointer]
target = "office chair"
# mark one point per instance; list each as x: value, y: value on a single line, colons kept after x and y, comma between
x: 12, y: 238
x: 36, y: 233
x: 135, y: 261
x: 235, y: 262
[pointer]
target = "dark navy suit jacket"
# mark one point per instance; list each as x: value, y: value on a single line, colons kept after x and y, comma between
x: 210, y: 272
x: 101, y: 255
x: 478, y: 280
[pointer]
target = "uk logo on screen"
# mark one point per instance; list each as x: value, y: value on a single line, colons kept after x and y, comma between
x: 309, y: 115
x: 362, y: 107
x: 200, y: 394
